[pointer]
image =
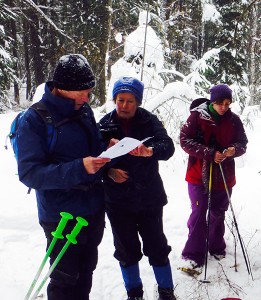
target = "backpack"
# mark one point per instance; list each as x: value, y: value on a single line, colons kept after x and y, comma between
x: 51, y: 127
x: 195, y: 103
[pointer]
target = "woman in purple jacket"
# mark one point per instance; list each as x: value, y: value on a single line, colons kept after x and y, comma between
x: 212, y: 135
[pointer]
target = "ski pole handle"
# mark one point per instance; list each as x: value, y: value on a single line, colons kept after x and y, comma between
x: 71, y: 238
x: 56, y: 235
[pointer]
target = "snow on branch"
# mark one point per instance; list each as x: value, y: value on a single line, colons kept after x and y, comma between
x: 32, y: 4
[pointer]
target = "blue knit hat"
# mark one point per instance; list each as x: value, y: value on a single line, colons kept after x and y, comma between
x: 129, y: 84
x: 220, y: 92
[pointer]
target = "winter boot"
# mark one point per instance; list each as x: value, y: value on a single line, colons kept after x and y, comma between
x: 192, y: 265
x: 132, y: 281
x: 166, y: 294
x: 135, y: 293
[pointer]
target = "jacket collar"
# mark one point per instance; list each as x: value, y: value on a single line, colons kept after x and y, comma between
x: 64, y: 106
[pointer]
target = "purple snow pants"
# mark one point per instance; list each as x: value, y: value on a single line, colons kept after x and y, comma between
x: 195, y: 246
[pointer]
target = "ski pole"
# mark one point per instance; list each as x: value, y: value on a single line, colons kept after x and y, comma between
x: 208, y: 221
x: 71, y: 238
x: 56, y: 235
x: 243, y: 248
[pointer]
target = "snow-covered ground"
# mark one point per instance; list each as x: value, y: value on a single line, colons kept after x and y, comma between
x: 22, y: 242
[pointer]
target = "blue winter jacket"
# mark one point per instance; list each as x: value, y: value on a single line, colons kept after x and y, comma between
x: 59, y: 178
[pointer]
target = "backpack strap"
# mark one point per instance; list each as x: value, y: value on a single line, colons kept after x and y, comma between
x: 51, y: 132
x: 51, y: 125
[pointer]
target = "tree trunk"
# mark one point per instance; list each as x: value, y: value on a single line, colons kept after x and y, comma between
x: 103, y: 44
x: 35, y: 48
x: 15, y: 55
x: 27, y: 70
x: 253, y: 73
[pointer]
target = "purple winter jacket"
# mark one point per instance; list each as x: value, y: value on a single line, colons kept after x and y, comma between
x: 202, y: 135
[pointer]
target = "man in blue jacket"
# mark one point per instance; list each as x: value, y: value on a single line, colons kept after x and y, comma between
x: 68, y: 178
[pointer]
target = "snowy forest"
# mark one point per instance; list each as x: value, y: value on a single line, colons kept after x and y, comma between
x: 178, y: 49
x: 201, y: 42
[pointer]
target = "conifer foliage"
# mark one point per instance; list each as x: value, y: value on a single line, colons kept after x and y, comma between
x: 34, y: 34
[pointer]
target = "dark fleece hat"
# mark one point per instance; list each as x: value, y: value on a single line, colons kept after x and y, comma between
x: 220, y: 92
x: 73, y: 73
x: 129, y: 84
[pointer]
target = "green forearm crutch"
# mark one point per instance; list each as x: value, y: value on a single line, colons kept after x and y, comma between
x: 71, y: 238
x: 56, y: 235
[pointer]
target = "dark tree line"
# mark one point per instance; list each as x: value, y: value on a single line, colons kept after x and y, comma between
x: 36, y: 33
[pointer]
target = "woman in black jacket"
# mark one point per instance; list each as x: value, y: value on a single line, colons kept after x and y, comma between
x: 135, y: 191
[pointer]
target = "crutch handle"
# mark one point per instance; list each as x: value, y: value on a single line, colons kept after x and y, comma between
x: 65, y: 218
x: 72, y: 236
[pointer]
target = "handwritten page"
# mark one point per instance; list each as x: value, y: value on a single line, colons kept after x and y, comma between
x: 123, y: 147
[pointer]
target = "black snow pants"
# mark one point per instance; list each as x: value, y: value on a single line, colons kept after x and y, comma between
x: 72, y: 277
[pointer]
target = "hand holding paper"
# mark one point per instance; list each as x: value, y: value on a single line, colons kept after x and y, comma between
x: 123, y: 147
x: 142, y: 150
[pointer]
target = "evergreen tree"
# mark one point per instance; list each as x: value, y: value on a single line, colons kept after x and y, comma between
x: 43, y: 30
x: 231, y: 64
x: 7, y: 63
x: 184, y: 33
x: 124, y: 20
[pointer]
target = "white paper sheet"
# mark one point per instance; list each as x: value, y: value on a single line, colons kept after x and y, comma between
x: 123, y: 147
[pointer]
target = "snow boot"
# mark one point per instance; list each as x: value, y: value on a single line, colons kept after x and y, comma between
x: 135, y: 293
x: 166, y: 294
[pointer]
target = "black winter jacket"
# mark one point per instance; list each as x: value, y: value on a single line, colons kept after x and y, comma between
x: 144, y: 188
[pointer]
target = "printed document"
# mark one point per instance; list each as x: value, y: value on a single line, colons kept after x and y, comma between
x: 123, y: 147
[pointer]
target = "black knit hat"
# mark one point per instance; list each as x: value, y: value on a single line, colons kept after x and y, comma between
x: 73, y: 73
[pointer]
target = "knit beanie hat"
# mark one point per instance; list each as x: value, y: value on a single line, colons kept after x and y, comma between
x: 129, y: 84
x: 73, y: 73
x: 220, y: 92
